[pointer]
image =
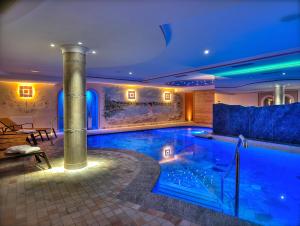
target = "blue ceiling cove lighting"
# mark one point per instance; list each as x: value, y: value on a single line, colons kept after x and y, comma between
x: 198, y: 82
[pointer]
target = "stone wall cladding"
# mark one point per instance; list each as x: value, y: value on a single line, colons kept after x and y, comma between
x: 278, y: 123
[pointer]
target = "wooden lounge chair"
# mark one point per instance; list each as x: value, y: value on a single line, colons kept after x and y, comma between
x: 19, y: 139
x: 12, y: 126
x: 8, y: 139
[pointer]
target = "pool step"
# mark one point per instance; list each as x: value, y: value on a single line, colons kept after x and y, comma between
x: 201, y: 197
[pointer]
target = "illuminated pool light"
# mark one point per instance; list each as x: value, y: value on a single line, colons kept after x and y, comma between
x: 282, y: 197
x: 263, y: 68
x: 199, y: 132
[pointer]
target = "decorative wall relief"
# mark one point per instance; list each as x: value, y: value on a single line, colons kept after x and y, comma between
x: 39, y: 109
x: 148, y: 107
x: 15, y: 104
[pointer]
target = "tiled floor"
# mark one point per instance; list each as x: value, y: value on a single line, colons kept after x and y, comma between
x: 30, y: 196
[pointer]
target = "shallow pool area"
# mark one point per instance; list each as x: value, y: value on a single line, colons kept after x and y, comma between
x: 192, y: 168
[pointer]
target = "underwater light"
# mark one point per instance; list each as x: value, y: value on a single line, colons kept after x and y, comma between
x: 263, y: 68
x: 199, y: 132
x: 282, y: 197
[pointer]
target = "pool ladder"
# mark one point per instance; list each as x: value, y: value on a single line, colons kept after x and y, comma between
x: 242, y: 141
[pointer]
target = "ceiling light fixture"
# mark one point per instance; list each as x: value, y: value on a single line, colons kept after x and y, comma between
x: 262, y: 68
x: 34, y: 71
x: 52, y: 45
x: 130, y: 73
x: 94, y: 52
x: 79, y: 43
x: 206, y: 51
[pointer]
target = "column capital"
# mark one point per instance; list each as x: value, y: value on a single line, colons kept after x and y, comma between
x: 71, y: 48
x: 279, y: 85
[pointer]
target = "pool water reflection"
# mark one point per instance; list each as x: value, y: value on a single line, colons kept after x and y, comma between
x: 192, y: 167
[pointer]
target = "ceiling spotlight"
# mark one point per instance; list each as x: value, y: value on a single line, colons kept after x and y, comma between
x: 34, y: 71
x: 283, y: 73
x: 130, y: 73
x: 93, y: 52
x: 52, y: 44
x: 79, y: 43
x: 206, y: 51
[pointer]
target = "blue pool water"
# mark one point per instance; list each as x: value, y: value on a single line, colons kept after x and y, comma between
x: 191, y: 170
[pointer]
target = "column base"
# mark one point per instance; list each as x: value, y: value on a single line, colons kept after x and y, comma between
x: 70, y: 166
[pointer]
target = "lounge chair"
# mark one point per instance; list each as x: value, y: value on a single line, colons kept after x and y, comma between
x: 9, y: 140
x: 22, y: 128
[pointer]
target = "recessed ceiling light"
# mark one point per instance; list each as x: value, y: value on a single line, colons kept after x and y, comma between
x: 79, y: 43
x: 206, y: 51
x: 94, y: 52
x: 52, y: 44
x: 130, y: 73
x: 283, y: 73
x: 34, y: 71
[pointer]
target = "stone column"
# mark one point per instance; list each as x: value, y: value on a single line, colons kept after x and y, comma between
x: 75, y: 147
x: 279, y: 94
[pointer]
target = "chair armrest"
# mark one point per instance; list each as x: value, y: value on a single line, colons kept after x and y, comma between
x: 26, y: 123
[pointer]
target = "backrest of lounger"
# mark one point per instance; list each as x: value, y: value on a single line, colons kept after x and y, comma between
x: 21, y: 119
x: 7, y: 122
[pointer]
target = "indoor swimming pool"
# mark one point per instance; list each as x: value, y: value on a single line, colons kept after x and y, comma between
x: 192, y: 169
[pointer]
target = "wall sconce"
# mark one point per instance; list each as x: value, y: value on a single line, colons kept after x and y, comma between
x: 131, y: 95
x: 167, y: 96
x: 26, y: 91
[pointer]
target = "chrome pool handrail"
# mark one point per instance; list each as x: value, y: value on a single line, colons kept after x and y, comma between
x: 242, y: 141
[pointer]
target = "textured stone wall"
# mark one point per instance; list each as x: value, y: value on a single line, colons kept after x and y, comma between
x: 41, y: 109
x: 279, y: 123
x: 149, y: 106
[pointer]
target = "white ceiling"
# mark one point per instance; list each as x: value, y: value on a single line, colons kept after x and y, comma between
x: 127, y: 37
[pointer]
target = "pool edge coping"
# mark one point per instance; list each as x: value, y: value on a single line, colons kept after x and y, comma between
x: 295, y: 149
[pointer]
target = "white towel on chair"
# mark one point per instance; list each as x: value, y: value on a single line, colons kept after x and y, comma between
x: 22, y: 149
x: 26, y: 131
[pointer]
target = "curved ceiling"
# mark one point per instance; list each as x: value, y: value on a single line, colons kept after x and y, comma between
x: 127, y: 36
